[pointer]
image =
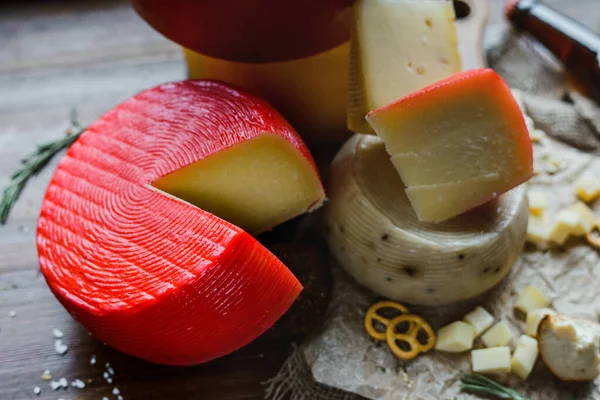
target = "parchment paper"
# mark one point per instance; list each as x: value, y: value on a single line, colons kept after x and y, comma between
x: 343, y: 362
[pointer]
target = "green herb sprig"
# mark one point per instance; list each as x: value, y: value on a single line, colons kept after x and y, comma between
x: 34, y: 163
x: 482, y: 385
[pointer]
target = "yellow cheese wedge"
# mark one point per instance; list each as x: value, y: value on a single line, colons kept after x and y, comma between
x: 457, y: 143
x: 310, y: 92
x: 524, y: 357
x: 480, y: 319
x: 455, y: 337
x: 531, y: 298
x: 587, y: 187
x: 398, y: 47
x: 237, y: 183
x: 495, y: 360
x: 498, y: 335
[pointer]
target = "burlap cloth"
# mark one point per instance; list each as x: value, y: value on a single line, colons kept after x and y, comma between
x: 342, y: 362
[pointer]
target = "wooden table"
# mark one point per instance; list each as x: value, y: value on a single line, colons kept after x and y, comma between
x: 53, y: 56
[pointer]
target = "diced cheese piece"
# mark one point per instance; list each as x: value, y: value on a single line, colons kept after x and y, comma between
x: 587, y: 187
x: 456, y: 155
x: 398, y: 47
x: 495, y: 360
x: 564, y: 225
x: 480, y: 319
x: 536, y: 135
x: 524, y: 357
x: 533, y: 320
x: 587, y: 218
x: 455, y: 337
x: 499, y: 335
x: 537, y: 202
x: 538, y: 230
x: 531, y: 298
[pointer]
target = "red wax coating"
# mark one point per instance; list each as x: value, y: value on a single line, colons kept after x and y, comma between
x: 148, y: 274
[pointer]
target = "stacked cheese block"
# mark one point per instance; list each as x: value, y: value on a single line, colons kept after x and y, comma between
x: 429, y: 197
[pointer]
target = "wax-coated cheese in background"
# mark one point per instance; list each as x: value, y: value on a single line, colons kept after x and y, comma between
x: 457, y: 143
x: 310, y: 92
x: 375, y: 235
x: 150, y: 274
x: 398, y: 47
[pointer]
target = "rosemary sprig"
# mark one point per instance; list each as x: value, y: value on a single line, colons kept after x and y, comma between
x: 33, y: 163
x: 482, y: 385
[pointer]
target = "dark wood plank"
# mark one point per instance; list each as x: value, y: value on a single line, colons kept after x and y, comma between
x: 55, y: 55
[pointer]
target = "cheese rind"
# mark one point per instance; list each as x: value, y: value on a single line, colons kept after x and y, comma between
x: 497, y: 336
x: 480, y: 319
x: 534, y: 318
x: 524, y: 357
x: 398, y: 47
x: 455, y: 337
x: 456, y: 155
x: 495, y: 360
x: 531, y: 298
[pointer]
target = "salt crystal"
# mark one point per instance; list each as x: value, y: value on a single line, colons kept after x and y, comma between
x: 78, y: 383
x: 105, y: 398
x: 60, y: 347
x: 93, y: 360
x: 105, y: 375
x: 111, y: 371
x: 37, y: 390
x: 57, y: 333
x: 109, y: 380
x: 61, y: 383
x: 119, y: 397
x: 107, y: 365
x: 46, y: 376
x: 116, y: 391
x: 12, y: 314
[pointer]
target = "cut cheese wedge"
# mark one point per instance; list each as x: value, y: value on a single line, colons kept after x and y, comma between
x: 398, y: 47
x: 455, y: 155
x: 156, y: 276
x: 375, y: 235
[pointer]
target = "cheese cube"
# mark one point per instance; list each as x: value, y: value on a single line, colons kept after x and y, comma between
x: 480, y: 319
x: 524, y: 357
x: 538, y: 230
x: 455, y: 337
x: 499, y: 335
x: 533, y: 320
x: 531, y: 298
x: 566, y: 223
x: 586, y: 218
x: 398, y: 47
x: 456, y: 155
x: 587, y: 187
x: 491, y: 361
x: 537, y: 202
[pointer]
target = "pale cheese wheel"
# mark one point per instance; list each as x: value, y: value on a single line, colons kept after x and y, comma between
x: 376, y: 237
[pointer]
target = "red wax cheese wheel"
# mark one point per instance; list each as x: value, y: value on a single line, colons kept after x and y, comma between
x: 145, y: 272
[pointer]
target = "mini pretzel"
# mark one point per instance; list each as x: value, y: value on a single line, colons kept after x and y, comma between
x: 591, y: 238
x: 416, y: 324
x: 392, y: 337
x: 372, y: 315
